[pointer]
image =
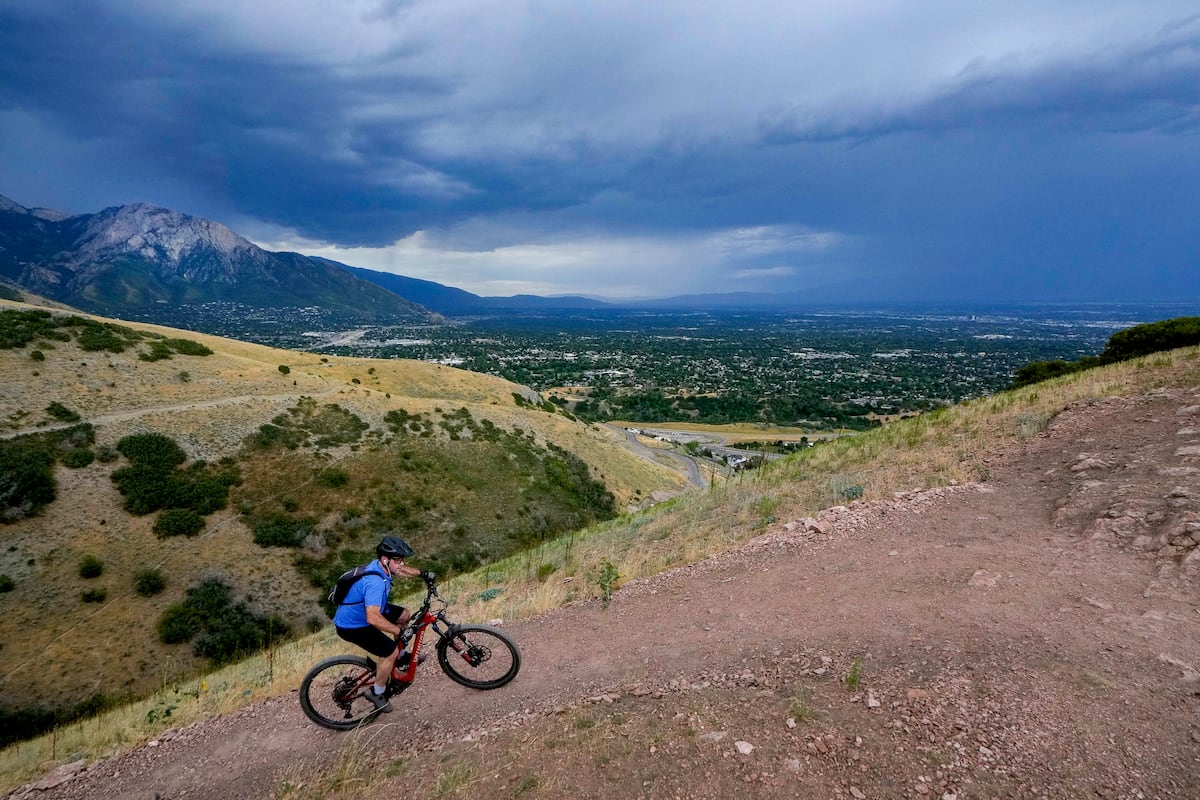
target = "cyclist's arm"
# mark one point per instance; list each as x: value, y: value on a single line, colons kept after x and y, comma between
x: 409, y: 572
x: 374, y: 599
x: 377, y: 620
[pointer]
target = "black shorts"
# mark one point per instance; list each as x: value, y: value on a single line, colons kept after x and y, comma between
x: 370, y: 638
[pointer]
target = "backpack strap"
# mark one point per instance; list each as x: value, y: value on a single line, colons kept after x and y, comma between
x: 367, y: 572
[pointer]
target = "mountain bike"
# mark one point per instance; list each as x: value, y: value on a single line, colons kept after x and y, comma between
x: 333, y: 693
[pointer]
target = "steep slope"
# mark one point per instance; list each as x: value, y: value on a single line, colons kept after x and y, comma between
x: 146, y: 258
x: 365, y: 446
x: 1012, y: 638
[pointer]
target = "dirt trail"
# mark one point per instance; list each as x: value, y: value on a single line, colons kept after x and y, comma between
x: 1034, y: 636
x: 174, y: 408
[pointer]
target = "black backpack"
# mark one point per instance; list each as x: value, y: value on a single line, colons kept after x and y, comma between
x: 337, y: 595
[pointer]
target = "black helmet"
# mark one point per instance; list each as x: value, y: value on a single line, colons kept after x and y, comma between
x: 393, y: 547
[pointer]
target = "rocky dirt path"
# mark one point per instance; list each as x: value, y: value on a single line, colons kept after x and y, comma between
x: 1034, y: 636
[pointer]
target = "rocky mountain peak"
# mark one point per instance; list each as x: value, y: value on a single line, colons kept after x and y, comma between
x: 158, y: 234
x: 41, y: 213
x: 9, y: 205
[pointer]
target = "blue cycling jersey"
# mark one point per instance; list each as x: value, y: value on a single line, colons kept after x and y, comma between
x: 372, y: 589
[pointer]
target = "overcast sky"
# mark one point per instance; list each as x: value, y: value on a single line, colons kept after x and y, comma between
x: 1042, y: 150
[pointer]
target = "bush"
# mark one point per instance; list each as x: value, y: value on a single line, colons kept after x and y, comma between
x: 78, y: 458
x: 7, y: 584
x: 178, y: 522
x: 285, y: 369
x: 152, y: 481
x: 37, y: 355
x: 158, y: 351
x: 333, y: 478
x: 94, y: 595
x: 177, y: 624
x: 96, y: 336
x: 26, y: 479
x: 90, y: 567
x: 186, y: 347
x: 152, y: 450
x: 223, y: 630
x: 1153, y: 337
x: 149, y: 581
x: 61, y: 412
x: 282, y: 531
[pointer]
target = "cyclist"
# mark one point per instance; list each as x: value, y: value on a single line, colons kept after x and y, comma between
x: 366, y: 619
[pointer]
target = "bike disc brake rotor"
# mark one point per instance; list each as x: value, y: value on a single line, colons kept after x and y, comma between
x: 477, y: 654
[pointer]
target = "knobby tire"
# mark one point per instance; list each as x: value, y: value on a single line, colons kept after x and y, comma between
x: 479, y: 657
x: 324, y: 687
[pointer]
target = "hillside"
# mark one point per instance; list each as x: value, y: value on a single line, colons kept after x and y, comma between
x: 358, y: 447
x: 1009, y: 610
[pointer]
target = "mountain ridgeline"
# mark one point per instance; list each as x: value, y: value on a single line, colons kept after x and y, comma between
x: 139, y: 257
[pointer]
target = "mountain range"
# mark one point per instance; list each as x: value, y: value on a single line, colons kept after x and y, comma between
x: 139, y: 258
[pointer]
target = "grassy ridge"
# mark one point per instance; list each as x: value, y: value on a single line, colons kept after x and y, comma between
x: 317, y: 493
x: 927, y: 451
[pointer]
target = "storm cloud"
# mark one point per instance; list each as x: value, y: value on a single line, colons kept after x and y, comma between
x: 939, y: 151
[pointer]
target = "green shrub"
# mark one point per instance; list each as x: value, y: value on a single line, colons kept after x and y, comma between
x: 282, y: 531
x: 177, y: 624
x: 27, y: 481
x: 333, y: 478
x: 19, y: 328
x: 152, y: 481
x: 149, y: 581
x: 325, y: 426
x: 186, y: 347
x: 96, y: 336
x: 178, y: 522
x: 223, y: 630
x: 284, y: 369
x: 1152, y: 337
x: 37, y: 355
x: 90, y: 567
x: 61, y: 412
x: 94, y: 595
x: 159, y: 351
x: 606, y: 580
x: 152, y: 449
x: 78, y: 457
x: 6, y: 584
x: 1038, y: 371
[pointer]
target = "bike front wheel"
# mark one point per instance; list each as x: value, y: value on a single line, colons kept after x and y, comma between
x: 332, y: 694
x: 478, y: 657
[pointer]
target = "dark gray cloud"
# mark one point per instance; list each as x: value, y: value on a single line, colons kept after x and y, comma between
x: 1026, y: 150
x: 1153, y: 86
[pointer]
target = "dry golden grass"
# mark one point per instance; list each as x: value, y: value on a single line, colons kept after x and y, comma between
x: 936, y: 449
x: 225, y: 397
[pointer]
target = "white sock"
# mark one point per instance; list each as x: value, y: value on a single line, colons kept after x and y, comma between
x: 380, y: 689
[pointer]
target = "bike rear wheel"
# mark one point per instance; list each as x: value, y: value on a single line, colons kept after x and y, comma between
x: 478, y: 657
x: 332, y: 693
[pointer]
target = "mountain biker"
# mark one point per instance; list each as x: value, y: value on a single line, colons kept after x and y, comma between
x: 366, y: 619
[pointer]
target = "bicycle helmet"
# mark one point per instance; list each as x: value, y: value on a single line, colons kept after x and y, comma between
x: 393, y: 547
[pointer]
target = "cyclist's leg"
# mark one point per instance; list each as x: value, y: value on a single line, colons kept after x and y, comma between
x: 378, y: 644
